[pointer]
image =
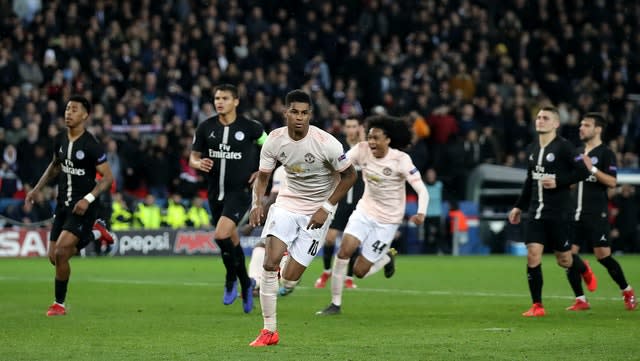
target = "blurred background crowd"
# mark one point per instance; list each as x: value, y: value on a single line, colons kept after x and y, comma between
x: 468, y: 77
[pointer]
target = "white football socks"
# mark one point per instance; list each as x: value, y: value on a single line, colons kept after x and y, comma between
x: 255, y: 264
x: 337, y: 279
x: 269, y: 298
x: 378, y: 265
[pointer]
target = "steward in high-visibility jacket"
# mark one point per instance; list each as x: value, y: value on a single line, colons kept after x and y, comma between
x: 176, y: 216
x: 197, y: 215
x: 120, y: 215
x: 148, y: 214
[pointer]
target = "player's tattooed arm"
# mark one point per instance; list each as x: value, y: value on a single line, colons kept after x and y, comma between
x: 105, y: 182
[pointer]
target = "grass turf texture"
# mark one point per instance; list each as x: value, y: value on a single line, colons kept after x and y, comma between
x: 434, y: 308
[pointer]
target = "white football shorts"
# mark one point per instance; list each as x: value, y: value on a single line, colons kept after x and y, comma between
x: 291, y: 228
x: 374, y: 237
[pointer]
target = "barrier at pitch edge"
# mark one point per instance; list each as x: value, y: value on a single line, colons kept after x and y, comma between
x: 23, y: 242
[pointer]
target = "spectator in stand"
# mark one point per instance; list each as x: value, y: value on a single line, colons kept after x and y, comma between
x: 121, y: 216
x: 159, y: 167
x: 27, y: 212
x: 36, y: 165
x: 624, y: 233
x: 148, y: 214
x: 176, y: 214
x: 433, y: 233
x: 10, y: 183
x: 197, y: 215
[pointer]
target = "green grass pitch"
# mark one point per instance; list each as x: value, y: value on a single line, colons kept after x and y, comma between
x: 434, y: 308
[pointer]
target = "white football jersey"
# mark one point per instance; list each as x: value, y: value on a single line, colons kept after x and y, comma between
x: 311, y: 164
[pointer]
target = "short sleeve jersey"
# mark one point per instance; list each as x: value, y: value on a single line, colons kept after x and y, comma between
x: 384, y: 182
x: 311, y: 164
x: 590, y: 195
x: 233, y: 149
x: 78, y: 160
x: 559, y: 160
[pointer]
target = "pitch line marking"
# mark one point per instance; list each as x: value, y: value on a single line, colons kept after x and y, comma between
x: 358, y: 290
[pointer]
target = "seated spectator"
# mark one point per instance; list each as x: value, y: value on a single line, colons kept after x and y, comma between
x: 148, y: 214
x: 197, y: 215
x: 176, y: 215
x: 10, y: 184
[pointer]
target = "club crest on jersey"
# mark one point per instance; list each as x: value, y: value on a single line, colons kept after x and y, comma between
x: 239, y: 136
x: 80, y: 154
x: 550, y: 157
x: 594, y: 160
x: 309, y: 158
x: 386, y: 171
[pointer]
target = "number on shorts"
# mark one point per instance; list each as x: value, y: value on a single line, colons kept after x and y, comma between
x: 313, y: 250
x: 378, y: 246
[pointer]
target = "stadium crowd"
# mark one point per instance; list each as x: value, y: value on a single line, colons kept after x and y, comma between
x: 468, y: 76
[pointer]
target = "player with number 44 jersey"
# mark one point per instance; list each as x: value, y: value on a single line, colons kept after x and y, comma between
x: 373, y: 225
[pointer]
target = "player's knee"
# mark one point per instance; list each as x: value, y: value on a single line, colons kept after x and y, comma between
x: 62, y: 254
x: 270, y: 266
x: 344, y: 254
x: 52, y: 259
x: 533, y: 260
x: 221, y: 235
x: 360, y: 272
x: 564, y: 262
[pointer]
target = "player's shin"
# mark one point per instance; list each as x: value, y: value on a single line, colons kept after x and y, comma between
x: 337, y: 280
x: 534, y: 276
x: 615, y: 271
x: 575, y: 280
x: 61, y: 290
x: 327, y: 255
x: 240, y: 266
x: 227, y: 253
x: 269, y: 298
x: 255, y: 264
x: 378, y: 265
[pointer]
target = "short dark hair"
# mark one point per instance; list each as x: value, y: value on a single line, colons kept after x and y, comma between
x: 356, y: 117
x: 394, y: 128
x: 598, y: 119
x: 297, y: 96
x: 552, y: 109
x: 227, y: 88
x: 82, y: 100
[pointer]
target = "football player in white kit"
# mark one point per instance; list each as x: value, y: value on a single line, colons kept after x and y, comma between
x: 380, y: 211
x: 318, y: 175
